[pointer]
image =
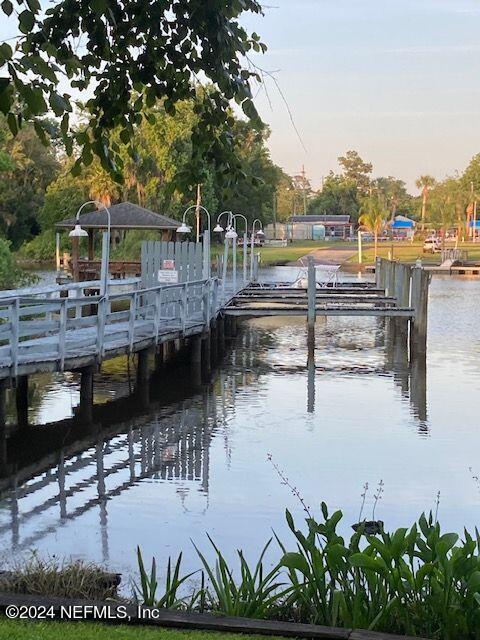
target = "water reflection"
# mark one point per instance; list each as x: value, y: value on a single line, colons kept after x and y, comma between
x: 349, y: 411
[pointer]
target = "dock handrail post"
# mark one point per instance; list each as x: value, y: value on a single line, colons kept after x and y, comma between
x: 15, y: 322
x: 101, y: 317
x: 379, y: 273
x: 311, y: 295
x: 206, y: 304
x: 157, y: 313
x: 255, y: 267
x: 184, y: 305
x: 206, y: 254
x: 62, y: 331
x: 214, y: 300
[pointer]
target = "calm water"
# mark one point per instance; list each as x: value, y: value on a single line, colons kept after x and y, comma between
x: 199, y: 463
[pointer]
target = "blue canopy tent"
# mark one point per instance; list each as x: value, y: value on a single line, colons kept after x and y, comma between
x: 401, y: 222
x: 402, y: 227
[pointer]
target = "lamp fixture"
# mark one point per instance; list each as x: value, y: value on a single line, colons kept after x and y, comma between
x: 78, y: 232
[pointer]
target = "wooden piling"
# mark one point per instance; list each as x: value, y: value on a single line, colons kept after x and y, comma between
x: 311, y: 295
x: 390, y: 278
x: 196, y: 360
x: 419, y: 303
x: 206, y: 346
x: 142, y: 390
x: 3, y: 402
x: 221, y: 334
x: 214, y: 344
x: 86, y: 395
x: 21, y: 400
x: 159, y: 356
x: 402, y: 294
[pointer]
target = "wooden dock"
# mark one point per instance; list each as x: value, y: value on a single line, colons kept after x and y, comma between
x: 74, y: 328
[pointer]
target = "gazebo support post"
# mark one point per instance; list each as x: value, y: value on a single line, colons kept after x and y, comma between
x: 91, y: 250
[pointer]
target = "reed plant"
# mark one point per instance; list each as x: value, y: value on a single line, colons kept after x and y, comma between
x: 416, y: 581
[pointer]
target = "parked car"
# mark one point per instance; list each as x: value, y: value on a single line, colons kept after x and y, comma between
x: 432, y: 245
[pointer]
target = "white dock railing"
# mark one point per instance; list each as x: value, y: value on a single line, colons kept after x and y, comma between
x: 56, y: 326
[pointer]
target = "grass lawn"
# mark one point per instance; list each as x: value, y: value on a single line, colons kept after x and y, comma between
x: 25, y: 630
x: 271, y: 256
x: 410, y: 251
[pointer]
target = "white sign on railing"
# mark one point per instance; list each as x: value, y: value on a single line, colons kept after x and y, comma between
x: 168, y: 276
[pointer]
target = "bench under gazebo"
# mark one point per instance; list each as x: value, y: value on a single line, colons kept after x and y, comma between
x: 124, y: 217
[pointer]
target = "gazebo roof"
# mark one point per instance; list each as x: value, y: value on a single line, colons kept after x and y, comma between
x: 124, y: 215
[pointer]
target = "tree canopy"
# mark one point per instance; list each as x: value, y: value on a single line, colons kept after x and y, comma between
x: 126, y: 56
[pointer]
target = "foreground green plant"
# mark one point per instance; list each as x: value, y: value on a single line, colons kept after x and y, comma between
x: 414, y: 581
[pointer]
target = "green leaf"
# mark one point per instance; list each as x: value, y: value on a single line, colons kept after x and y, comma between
x: 12, y: 123
x: 26, y: 20
x: 33, y: 5
x: 473, y: 582
x: 295, y: 561
x: 59, y: 104
x: 5, y: 52
x: 446, y: 542
x: 249, y: 110
x: 363, y: 561
x: 40, y: 131
x: 6, y: 95
x: 7, y: 7
x: 33, y: 96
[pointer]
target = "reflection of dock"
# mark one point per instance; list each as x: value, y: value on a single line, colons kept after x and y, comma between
x: 100, y: 467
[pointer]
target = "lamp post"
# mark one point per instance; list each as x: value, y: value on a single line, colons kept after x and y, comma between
x: 245, y: 244
x: 78, y: 232
x: 220, y: 229
x: 252, y: 243
x: 184, y: 228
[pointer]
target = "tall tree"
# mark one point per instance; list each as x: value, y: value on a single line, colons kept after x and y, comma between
x: 339, y: 196
x: 355, y: 169
x: 394, y: 192
x: 425, y: 183
x: 373, y: 216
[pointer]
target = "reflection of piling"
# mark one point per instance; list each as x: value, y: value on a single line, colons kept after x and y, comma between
x: 311, y: 377
x: 418, y: 387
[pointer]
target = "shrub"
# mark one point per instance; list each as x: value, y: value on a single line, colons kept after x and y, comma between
x: 10, y: 275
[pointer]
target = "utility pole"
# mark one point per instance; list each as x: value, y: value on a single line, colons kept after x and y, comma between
x: 304, y: 191
x: 197, y: 210
x: 274, y: 215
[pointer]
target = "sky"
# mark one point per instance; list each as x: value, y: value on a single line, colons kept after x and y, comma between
x: 396, y: 80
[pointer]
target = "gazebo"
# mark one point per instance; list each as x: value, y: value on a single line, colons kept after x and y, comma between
x: 124, y: 217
